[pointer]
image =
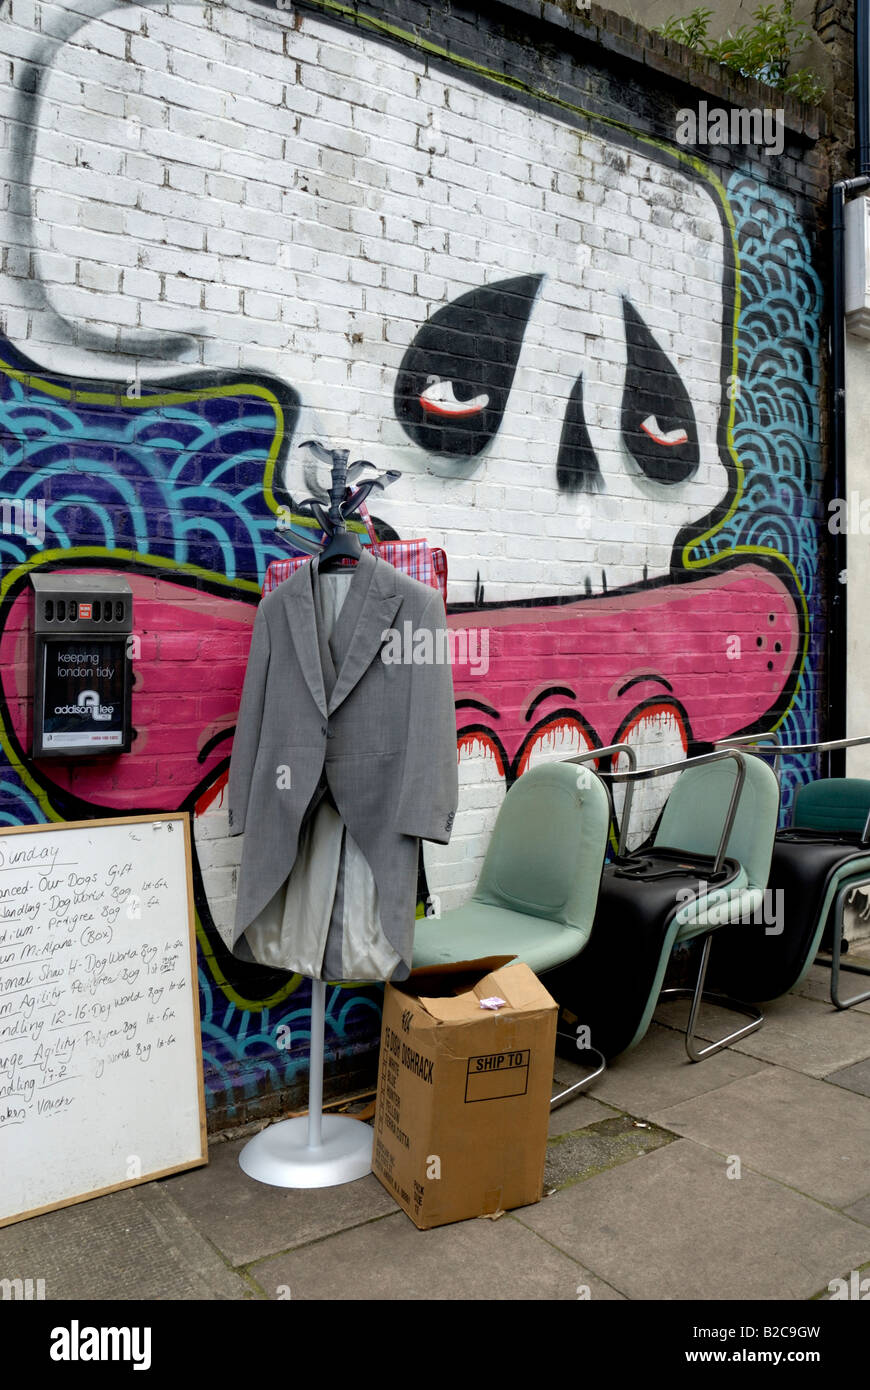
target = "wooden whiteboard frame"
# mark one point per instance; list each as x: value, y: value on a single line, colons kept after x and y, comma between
x: 59, y: 826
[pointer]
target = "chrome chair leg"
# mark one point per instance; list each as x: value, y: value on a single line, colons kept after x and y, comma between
x: 586, y: 1081
x: 836, y: 951
x: 696, y: 1053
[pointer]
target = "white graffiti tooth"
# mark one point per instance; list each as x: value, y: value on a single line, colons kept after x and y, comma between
x: 452, y: 870
x: 554, y: 744
x: 219, y: 857
x: 657, y: 736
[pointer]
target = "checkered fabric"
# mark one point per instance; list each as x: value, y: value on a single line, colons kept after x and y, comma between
x: 415, y: 558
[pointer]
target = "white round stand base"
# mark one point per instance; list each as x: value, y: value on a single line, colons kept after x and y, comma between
x: 282, y: 1156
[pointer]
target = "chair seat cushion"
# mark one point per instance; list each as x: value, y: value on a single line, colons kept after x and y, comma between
x: 719, y: 906
x: 613, y: 986
x: 478, y: 929
x: 761, y: 962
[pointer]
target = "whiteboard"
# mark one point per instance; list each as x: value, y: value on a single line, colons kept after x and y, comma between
x: 100, y: 1048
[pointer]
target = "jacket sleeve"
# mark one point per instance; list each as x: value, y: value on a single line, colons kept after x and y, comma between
x: 429, y: 790
x: 246, y: 740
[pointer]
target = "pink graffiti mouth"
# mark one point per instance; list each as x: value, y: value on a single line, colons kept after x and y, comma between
x: 715, y: 655
x: 719, y: 652
x: 187, y: 682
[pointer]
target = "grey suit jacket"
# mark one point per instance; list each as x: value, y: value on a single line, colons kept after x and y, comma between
x: 385, y: 739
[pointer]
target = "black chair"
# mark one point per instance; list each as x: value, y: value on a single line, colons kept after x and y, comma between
x: 817, y: 863
x: 705, y: 866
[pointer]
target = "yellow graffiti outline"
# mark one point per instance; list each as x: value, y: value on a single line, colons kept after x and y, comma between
x: 133, y: 557
x: 689, y: 561
x: 81, y: 554
x: 84, y: 553
x: 176, y: 397
x: 181, y: 397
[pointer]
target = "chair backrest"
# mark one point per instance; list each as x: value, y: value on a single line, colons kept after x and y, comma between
x: 547, y: 848
x: 833, y: 803
x: 695, y: 812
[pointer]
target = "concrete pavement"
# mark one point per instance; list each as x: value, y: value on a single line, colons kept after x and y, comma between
x: 746, y: 1176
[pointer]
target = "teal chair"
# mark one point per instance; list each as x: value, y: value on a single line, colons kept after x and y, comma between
x: 833, y: 804
x: 537, y: 891
x: 838, y: 808
x: 817, y: 864
x: 692, y: 821
x: 705, y: 866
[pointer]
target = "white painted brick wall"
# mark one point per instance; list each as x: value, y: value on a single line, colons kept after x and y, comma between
x: 266, y: 186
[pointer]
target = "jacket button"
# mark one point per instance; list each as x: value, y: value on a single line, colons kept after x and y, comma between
x: 324, y: 730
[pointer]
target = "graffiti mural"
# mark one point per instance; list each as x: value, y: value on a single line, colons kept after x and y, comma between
x: 593, y: 365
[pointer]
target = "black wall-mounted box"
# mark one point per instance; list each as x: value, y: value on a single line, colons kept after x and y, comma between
x: 82, y: 670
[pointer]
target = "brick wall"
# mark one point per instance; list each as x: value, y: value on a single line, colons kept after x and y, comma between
x: 472, y: 248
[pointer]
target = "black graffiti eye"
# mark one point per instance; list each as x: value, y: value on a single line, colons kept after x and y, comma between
x: 658, y: 422
x: 577, y: 467
x: 440, y: 398
x: 455, y: 378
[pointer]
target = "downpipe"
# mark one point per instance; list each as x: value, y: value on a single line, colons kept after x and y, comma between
x: 837, y: 546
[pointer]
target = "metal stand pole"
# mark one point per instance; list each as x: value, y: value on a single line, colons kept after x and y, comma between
x: 314, y: 1151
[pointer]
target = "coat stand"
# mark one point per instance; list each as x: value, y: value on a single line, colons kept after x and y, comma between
x: 320, y: 1150
x: 316, y: 1150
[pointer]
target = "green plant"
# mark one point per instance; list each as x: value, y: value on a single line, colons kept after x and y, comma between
x: 764, y: 50
x: 804, y: 86
x: 692, y: 31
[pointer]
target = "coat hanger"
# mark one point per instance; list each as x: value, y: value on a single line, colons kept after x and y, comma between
x: 342, y: 544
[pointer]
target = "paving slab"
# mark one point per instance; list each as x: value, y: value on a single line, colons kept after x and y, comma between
x: 248, y: 1220
x: 575, y: 1157
x: 804, y: 1132
x: 797, y: 1033
x: 859, y: 1211
x: 577, y: 1113
x: 671, y: 1225
x: 135, y: 1244
x: 657, y: 1073
x: 390, y: 1259
x: 855, y: 1078
x: 817, y: 985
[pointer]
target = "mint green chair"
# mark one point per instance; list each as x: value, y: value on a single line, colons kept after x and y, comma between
x: 704, y: 867
x: 817, y: 864
x: 692, y: 822
x: 538, y: 888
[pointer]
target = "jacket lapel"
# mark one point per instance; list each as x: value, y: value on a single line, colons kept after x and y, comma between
x: 324, y: 639
x: 302, y: 622
x: 368, y: 609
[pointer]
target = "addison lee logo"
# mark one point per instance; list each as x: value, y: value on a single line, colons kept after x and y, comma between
x: 76, y: 1343
x: 88, y: 705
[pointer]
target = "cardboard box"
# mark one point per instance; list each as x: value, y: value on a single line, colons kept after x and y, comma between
x: 463, y: 1100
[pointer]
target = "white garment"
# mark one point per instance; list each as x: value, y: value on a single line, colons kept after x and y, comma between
x: 331, y: 887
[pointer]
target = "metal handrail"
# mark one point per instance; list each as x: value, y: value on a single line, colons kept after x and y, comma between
x: 592, y: 755
x: 744, y: 740
x: 827, y: 747
x: 646, y: 773
x: 699, y: 761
